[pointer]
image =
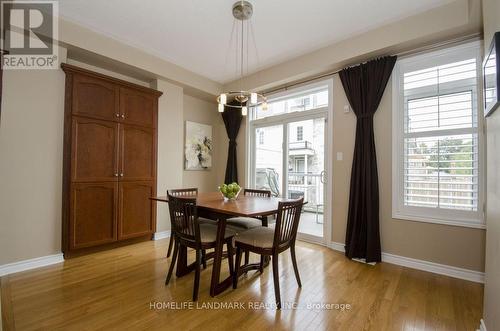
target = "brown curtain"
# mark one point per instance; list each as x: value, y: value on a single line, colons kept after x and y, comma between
x: 232, y: 120
x: 364, y: 86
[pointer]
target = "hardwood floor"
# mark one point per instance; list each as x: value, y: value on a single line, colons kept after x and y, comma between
x: 114, y: 290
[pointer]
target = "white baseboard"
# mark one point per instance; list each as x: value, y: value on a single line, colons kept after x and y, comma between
x: 161, y: 235
x: 337, y: 246
x: 482, y: 326
x: 30, y: 264
x: 437, y: 268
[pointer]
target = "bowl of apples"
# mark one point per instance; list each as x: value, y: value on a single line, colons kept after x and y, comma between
x: 230, y: 192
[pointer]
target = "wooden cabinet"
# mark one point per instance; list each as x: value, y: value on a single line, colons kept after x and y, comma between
x: 109, y: 161
x: 138, y: 156
x: 94, y: 214
x: 137, y: 107
x: 94, y: 97
x: 94, y: 150
x: 135, y: 206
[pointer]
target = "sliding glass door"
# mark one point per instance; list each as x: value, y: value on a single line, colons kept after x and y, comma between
x: 288, y: 155
x: 268, y: 169
x: 306, y: 172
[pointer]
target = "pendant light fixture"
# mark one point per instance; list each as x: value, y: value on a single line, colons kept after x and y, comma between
x: 242, y: 99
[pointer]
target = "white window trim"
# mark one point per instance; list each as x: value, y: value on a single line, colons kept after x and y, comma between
x: 423, y: 214
x: 251, y: 125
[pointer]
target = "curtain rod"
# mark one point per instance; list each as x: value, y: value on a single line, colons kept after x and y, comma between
x: 423, y: 49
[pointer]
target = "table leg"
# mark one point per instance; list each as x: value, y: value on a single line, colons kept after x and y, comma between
x: 217, y: 287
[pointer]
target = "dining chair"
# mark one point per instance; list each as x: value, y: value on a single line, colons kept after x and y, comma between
x: 271, y: 242
x: 185, y: 192
x: 190, y: 233
x: 246, y: 223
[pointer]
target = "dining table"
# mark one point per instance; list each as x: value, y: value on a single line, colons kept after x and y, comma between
x: 212, y: 205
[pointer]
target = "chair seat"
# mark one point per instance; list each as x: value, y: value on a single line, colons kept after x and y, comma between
x: 244, y: 222
x: 208, y: 233
x: 261, y: 237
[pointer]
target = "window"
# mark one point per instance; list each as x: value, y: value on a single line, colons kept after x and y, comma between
x: 437, y: 137
x: 309, y: 99
x: 300, y: 133
x: 261, y: 137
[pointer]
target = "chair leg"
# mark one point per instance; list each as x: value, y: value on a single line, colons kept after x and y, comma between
x: 170, y: 244
x: 197, y: 275
x: 276, y: 281
x: 237, y: 268
x: 230, y: 253
x: 204, y: 258
x: 172, y: 263
x: 294, y: 262
x: 247, y: 257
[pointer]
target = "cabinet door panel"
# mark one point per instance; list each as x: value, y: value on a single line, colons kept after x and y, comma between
x: 137, y: 153
x: 93, y: 214
x: 137, y: 107
x: 95, y: 98
x: 95, y: 150
x: 136, y: 209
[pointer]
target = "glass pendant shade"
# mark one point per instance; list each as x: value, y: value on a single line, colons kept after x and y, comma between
x: 223, y: 98
x: 253, y: 97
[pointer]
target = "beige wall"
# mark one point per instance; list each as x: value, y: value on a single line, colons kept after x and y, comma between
x: 200, y: 111
x: 451, y: 245
x: 491, y: 17
x: 455, y: 246
x: 170, y: 133
x: 31, y: 142
x: 31, y: 149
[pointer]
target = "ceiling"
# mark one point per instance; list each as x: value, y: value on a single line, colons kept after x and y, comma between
x: 195, y: 34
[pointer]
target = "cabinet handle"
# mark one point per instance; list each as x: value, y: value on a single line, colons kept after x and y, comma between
x: 116, y: 175
x: 117, y: 115
x: 123, y: 115
x: 121, y: 175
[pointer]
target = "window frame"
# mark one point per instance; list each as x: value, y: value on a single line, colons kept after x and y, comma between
x: 473, y: 219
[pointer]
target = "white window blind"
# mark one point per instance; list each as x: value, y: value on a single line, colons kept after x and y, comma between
x: 437, y: 140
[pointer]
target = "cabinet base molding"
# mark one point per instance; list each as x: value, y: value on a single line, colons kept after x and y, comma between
x: 83, y: 251
x: 24, y: 265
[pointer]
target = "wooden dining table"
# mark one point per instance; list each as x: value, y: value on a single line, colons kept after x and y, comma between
x: 212, y: 205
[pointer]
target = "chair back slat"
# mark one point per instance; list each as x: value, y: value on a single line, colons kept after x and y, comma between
x: 184, y: 192
x: 256, y: 193
x: 287, y: 222
x: 184, y: 218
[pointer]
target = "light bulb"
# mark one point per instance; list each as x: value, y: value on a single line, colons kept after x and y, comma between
x: 223, y: 98
x: 264, y: 106
x: 221, y: 108
x: 244, y: 111
x: 253, y: 98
